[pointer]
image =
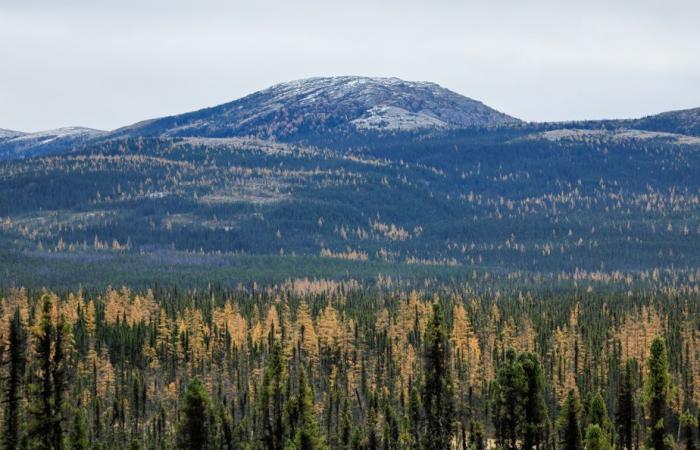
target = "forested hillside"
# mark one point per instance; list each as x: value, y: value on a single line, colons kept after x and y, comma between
x: 375, y: 175
x: 318, y: 365
x: 542, y: 201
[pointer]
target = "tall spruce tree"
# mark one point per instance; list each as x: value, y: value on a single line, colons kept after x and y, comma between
x: 302, y: 424
x: 626, y: 415
x: 46, y: 424
x: 77, y: 435
x: 534, y: 420
x: 658, y: 385
x: 438, y: 396
x: 570, y: 423
x: 195, y: 430
x: 508, y: 401
x: 272, y: 401
x: 16, y: 363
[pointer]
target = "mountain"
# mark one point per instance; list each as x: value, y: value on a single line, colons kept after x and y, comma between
x: 321, y: 106
x: 354, y: 171
x: 15, y: 144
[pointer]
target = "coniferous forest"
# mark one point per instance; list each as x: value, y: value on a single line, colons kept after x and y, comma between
x: 335, y: 365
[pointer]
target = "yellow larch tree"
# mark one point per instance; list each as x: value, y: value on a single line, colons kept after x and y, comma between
x: 465, y: 345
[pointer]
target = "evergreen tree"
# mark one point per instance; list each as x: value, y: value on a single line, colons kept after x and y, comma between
x: 77, y: 436
x: 688, y: 424
x: 509, y: 390
x: 44, y: 415
x: 13, y: 383
x: 59, y: 374
x: 195, y: 430
x: 596, y: 438
x: 534, y: 420
x: 272, y: 401
x: 658, y: 384
x: 476, y: 436
x: 597, y: 413
x: 438, y: 401
x: 303, y: 427
x: 570, y: 422
x: 346, y: 425
x: 391, y: 429
x: 626, y: 416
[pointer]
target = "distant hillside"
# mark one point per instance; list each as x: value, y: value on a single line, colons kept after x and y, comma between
x: 681, y: 122
x: 14, y: 144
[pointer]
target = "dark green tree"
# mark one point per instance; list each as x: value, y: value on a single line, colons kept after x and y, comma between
x: 415, y: 417
x: 437, y: 396
x: 45, y: 427
x: 302, y: 424
x: 626, y: 415
x: 657, y: 389
x: 596, y: 439
x: 77, y: 435
x: 535, y: 419
x: 570, y: 423
x: 688, y: 423
x: 195, y: 430
x: 272, y: 401
x: 508, y: 408
x: 16, y: 363
x: 476, y: 436
x: 597, y: 413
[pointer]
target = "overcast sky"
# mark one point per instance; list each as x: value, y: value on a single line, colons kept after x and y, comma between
x: 105, y: 64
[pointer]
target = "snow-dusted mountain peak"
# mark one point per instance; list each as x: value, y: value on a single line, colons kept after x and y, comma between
x: 331, y: 105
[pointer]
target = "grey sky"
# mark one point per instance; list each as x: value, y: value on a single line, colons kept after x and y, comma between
x: 105, y: 64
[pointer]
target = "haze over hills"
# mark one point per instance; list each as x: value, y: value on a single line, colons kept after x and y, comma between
x: 360, y: 170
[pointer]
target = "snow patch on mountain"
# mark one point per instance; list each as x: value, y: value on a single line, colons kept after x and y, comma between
x: 568, y: 134
x: 394, y: 118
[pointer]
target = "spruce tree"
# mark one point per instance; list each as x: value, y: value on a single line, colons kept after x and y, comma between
x: 302, y: 424
x: 596, y: 439
x: 438, y: 401
x: 688, y: 424
x: 508, y: 410
x: 597, y: 413
x: 77, y: 435
x: 534, y: 419
x: 476, y: 436
x: 570, y: 423
x: 272, y: 401
x: 626, y: 416
x: 16, y: 363
x: 658, y: 384
x: 195, y: 430
x: 42, y: 411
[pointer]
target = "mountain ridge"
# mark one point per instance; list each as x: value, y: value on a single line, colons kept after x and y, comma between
x: 335, y: 111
